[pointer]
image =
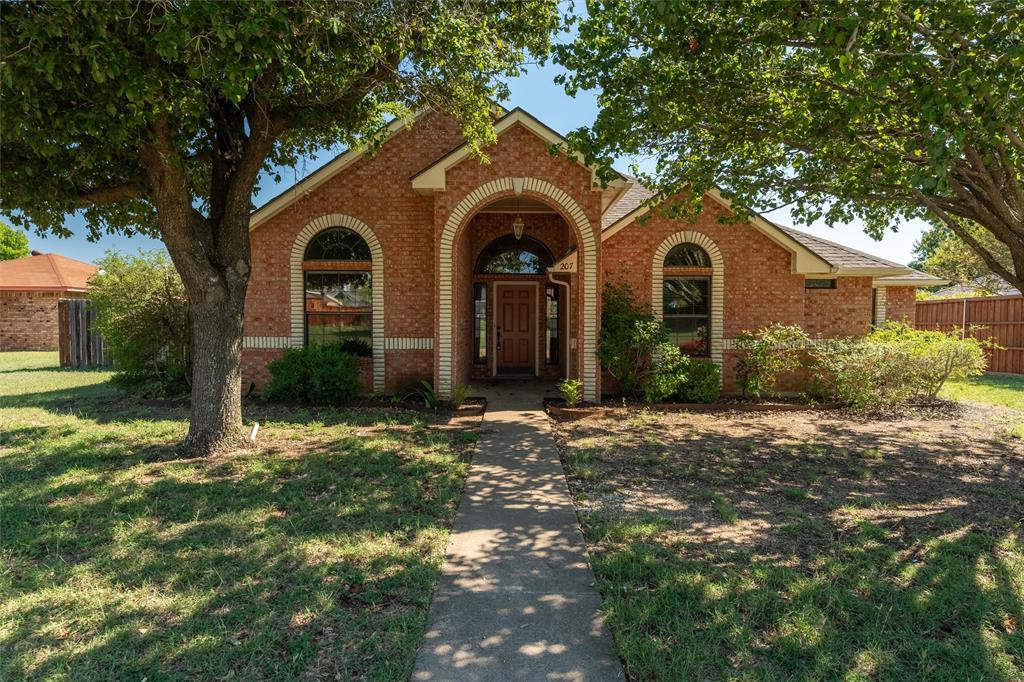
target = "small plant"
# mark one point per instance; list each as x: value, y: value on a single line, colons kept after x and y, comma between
x: 767, y: 354
x: 460, y: 394
x: 572, y: 391
x: 320, y: 375
x: 424, y: 391
x: 357, y: 347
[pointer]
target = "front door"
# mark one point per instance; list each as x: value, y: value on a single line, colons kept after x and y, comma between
x: 516, y: 328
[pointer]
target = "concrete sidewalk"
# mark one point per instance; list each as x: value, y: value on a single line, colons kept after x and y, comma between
x: 515, y: 600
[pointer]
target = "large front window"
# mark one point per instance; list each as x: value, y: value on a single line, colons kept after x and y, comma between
x: 687, y: 313
x: 686, y: 299
x: 339, y: 290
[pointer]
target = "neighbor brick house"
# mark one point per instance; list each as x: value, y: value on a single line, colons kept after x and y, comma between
x: 29, y: 290
x: 459, y: 271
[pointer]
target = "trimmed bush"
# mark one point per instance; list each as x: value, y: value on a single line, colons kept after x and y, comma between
x: 893, y: 364
x: 703, y: 383
x: 142, y: 312
x: 321, y: 375
x: 767, y: 354
x: 682, y: 379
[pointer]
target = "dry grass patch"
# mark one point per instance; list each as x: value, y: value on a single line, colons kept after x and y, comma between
x: 807, y: 545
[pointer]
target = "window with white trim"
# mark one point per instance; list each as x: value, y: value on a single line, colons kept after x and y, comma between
x: 686, y: 299
x: 338, y: 288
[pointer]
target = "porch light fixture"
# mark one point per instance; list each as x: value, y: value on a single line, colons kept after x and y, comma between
x: 518, y: 225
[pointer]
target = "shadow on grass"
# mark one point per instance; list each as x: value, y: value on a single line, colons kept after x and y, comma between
x: 315, y: 555
x: 839, y: 550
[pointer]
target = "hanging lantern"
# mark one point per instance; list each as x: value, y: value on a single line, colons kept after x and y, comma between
x: 517, y: 225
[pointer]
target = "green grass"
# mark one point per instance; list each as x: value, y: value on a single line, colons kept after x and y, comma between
x: 1005, y: 390
x: 313, y: 555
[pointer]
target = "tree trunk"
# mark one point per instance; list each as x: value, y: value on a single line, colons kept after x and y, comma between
x: 215, y: 421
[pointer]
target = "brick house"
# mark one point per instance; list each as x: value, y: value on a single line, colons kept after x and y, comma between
x: 456, y: 270
x: 29, y: 290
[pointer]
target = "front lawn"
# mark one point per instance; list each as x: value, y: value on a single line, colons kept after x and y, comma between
x: 806, y: 546
x: 992, y: 389
x: 313, y: 555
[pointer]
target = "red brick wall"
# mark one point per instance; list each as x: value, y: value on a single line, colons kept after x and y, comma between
x: 759, y: 287
x: 517, y: 153
x: 843, y: 311
x: 899, y: 304
x: 376, y: 190
x: 28, y: 319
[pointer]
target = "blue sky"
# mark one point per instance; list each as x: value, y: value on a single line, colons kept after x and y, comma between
x: 541, y: 96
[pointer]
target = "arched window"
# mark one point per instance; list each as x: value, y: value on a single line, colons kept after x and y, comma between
x: 338, y: 290
x: 337, y: 244
x: 687, y: 256
x: 510, y: 256
x: 686, y: 299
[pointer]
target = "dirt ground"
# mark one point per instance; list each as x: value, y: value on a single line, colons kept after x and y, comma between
x: 780, y: 484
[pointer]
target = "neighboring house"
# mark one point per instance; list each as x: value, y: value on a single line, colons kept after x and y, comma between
x: 980, y: 286
x: 416, y: 247
x: 29, y: 290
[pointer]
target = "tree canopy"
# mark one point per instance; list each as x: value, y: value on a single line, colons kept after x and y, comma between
x: 160, y: 117
x: 840, y: 110
x: 13, y: 243
x: 942, y: 253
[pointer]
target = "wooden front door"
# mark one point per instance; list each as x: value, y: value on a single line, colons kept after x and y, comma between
x: 516, y: 328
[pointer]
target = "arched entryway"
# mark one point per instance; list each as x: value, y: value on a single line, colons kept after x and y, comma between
x: 457, y: 258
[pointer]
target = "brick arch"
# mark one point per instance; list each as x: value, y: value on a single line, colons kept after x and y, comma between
x: 717, y: 283
x: 588, y: 241
x: 298, y: 302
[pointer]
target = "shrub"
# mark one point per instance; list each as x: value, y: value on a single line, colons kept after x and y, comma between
x: 321, y: 375
x: 683, y: 379
x: 460, y: 394
x: 142, y: 312
x: 933, y: 357
x: 893, y: 364
x: 671, y: 370
x: 629, y: 339
x: 864, y: 376
x: 767, y: 354
x: 703, y: 383
x: 572, y: 391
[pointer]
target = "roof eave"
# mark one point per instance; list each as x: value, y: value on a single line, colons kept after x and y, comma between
x: 433, y: 178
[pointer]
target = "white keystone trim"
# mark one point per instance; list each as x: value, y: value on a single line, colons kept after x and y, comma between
x: 588, y: 247
x: 266, y: 341
x: 408, y: 343
x: 298, y: 297
x: 881, y: 296
x: 717, y: 283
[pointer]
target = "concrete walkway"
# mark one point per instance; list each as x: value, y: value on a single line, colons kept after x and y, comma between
x: 515, y: 600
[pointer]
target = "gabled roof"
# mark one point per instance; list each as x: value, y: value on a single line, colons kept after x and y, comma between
x: 432, y: 178
x: 813, y: 255
x: 45, y: 272
x: 326, y: 172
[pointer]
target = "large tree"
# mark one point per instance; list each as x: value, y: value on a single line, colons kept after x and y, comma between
x: 161, y: 116
x: 13, y: 243
x: 940, y: 252
x: 846, y: 109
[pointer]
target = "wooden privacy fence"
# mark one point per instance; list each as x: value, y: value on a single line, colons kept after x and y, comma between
x: 1000, y: 318
x: 80, y: 346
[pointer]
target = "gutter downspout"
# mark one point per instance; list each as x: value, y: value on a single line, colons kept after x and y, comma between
x: 551, y: 278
